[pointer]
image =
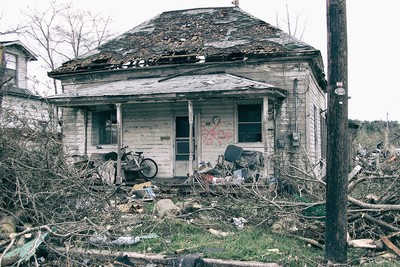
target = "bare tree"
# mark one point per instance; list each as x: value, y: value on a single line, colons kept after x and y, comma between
x: 10, y: 29
x: 292, y: 26
x: 62, y: 33
x: 82, y: 31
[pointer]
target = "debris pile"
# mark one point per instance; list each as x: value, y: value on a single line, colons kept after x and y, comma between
x: 48, y: 209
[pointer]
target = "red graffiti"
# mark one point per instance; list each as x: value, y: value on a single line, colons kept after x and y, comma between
x: 214, y: 134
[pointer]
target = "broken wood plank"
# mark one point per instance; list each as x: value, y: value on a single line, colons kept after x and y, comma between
x: 390, y: 245
x: 365, y: 243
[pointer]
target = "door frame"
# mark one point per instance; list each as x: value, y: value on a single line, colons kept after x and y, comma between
x: 197, y: 144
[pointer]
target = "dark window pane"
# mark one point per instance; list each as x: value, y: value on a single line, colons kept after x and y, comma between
x: 11, y: 77
x: 182, y: 157
x: 182, y: 126
x: 182, y: 147
x: 249, y: 123
x: 250, y: 132
x: 249, y: 113
x: 108, y: 132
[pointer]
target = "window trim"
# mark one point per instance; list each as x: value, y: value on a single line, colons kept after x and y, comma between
x: 13, y: 69
x: 237, y: 123
x: 99, y: 125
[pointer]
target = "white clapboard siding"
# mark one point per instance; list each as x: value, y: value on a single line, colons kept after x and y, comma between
x: 31, y: 110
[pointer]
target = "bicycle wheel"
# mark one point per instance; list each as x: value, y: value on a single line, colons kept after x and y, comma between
x: 150, y: 169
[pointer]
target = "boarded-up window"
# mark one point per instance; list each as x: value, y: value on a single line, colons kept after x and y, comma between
x: 105, y: 127
x: 11, y: 69
x: 249, y: 123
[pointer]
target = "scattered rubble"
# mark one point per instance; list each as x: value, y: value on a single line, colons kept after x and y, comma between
x: 85, y: 213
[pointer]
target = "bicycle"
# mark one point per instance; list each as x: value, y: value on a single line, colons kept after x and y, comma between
x: 135, y: 162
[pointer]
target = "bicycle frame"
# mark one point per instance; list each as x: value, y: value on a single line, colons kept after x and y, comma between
x: 135, y: 162
x: 136, y: 159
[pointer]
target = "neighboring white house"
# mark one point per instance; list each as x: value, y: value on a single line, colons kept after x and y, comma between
x: 19, y: 105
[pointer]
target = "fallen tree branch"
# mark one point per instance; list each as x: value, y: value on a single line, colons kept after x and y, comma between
x: 359, y: 180
x: 161, y: 259
x: 304, y: 179
x: 381, y: 207
x: 380, y: 222
x: 309, y: 241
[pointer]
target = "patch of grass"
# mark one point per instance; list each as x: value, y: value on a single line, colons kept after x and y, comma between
x: 253, y: 243
x: 249, y: 244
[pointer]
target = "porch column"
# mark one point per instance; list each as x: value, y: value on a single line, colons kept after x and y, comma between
x: 118, y: 179
x: 265, y: 139
x: 191, y: 148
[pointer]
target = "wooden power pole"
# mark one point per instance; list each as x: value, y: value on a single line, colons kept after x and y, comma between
x: 338, y: 135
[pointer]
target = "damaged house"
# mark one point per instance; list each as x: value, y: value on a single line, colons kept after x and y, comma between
x: 184, y: 85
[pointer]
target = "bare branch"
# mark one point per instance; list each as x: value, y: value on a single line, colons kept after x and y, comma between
x: 63, y: 33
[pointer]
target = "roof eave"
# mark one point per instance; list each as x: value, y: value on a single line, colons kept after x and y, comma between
x: 168, y: 97
x: 28, y: 53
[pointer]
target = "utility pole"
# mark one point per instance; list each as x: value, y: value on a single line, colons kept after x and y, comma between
x: 2, y: 74
x: 338, y: 135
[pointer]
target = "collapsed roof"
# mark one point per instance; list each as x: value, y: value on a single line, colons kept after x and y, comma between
x: 192, y: 36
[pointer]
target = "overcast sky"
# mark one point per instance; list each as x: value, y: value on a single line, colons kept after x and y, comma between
x: 372, y: 35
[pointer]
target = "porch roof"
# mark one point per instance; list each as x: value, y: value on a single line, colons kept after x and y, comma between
x: 166, y: 89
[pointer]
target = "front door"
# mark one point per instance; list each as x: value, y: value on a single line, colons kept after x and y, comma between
x: 182, y: 146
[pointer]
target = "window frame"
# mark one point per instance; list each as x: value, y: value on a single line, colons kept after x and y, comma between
x: 104, y: 127
x: 258, y: 121
x: 11, y: 71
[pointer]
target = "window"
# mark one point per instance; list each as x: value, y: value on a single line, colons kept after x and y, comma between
x: 11, y: 69
x: 249, y: 123
x: 105, y: 129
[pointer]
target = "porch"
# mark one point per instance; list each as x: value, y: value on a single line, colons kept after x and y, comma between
x: 178, y: 121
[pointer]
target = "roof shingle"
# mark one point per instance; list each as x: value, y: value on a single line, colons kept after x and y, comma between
x: 189, y: 36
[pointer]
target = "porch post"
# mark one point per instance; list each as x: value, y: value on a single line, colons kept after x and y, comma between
x: 118, y: 179
x: 191, y: 148
x: 265, y: 139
